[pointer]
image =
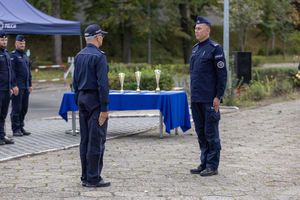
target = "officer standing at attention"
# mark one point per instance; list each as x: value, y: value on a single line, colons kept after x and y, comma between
x: 92, y: 97
x: 6, y: 86
x: 21, y: 65
x: 208, y: 82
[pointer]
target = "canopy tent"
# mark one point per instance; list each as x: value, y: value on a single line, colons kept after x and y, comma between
x: 20, y: 17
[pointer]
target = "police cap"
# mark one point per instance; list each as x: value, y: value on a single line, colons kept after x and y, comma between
x: 92, y: 30
x: 20, y: 38
x: 2, y: 34
x: 202, y: 20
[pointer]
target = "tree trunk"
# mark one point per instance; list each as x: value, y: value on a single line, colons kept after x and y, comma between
x: 186, y: 44
x: 126, y: 44
x: 273, y: 42
x: 242, y: 37
x: 267, y: 50
x: 56, y: 39
x: 283, y: 49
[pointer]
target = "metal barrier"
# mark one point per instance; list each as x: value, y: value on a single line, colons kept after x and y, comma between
x: 56, y: 79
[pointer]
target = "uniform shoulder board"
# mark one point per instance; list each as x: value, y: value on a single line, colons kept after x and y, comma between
x: 103, y: 52
x: 13, y: 51
x: 11, y: 58
x: 214, y: 43
x: 5, y: 50
x: 196, y: 44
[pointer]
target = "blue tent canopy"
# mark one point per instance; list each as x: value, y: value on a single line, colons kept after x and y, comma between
x: 20, y: 17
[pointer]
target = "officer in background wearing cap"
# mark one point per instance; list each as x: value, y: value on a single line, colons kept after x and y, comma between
x: 91, y: 89
x: 7, y: 88
x: 208, y: 82
x: 22, y: 78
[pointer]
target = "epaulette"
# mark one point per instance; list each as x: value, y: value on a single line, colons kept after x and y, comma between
x: 214, y: 43
x: 14, y: 51
x: 103, y: 52
x: 196, y: 44
x: 5, y: 50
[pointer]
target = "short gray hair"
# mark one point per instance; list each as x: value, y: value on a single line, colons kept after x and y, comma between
x: 207, y: 25
x: 90, y: 38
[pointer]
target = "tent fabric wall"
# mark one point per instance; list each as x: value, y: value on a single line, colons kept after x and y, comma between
x: 20, y: 17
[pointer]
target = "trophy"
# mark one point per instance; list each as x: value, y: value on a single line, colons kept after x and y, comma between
x: 122, y: 77
x: 138, y: 79
x: 157, y: 75
x: 298, y: 75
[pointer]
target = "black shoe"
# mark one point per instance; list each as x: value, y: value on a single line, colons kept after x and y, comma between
x: 209, y: 172
x: 102, y: 183
x: 25, y: 132
x: 7, y: 140
x: 84, y: 183
x: 197, y: 171
x: 18, y: 133
x: 2, y: 142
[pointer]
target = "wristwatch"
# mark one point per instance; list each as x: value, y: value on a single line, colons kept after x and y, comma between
x: 219, y: 97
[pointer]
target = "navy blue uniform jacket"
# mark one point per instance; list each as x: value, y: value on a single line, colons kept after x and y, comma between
x: 5, y: 71
x: 21, y: 69
x: 90, y: 73
x: 207, y: 72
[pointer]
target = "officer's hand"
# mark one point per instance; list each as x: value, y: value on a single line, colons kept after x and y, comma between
x: 30, y: 89
x: 16, y: 90
x: 11, y: 92
x: 103, y: 116
x: 216, y: 104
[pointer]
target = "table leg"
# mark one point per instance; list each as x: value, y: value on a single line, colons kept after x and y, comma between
x: 160, y: 125
x: 176, y: 131
x: 74, y: 122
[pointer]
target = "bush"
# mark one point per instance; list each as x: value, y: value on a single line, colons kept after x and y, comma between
x: 278, y: 51
x: 261, y: 52
x: 148, y: 80
x: 283, y: 87
x: 258, y: 61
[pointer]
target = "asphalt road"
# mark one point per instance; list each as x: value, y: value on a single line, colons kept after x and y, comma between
x: 43, y: 103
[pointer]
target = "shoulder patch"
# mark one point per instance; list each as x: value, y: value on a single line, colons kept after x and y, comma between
x: 220, y: 64
x: 214, y: 43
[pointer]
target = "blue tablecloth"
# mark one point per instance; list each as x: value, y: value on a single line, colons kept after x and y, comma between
x: 172, y: 104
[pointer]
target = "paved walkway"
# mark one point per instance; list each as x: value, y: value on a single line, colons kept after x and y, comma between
x: 259, y: 160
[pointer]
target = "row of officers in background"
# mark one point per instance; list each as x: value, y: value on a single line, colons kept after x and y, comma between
x: 15, y: 85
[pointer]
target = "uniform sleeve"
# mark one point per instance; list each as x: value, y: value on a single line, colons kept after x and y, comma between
x: 220, y: 66
x: 102, y: 82
x: 30, y: 77
x: 75, y: 85
x: 13, y: 69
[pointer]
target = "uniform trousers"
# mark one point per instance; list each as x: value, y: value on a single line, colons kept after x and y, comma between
x: 4, y: 103
x: 93, y: 136
x: 207, y: 128
x: 19, y: 109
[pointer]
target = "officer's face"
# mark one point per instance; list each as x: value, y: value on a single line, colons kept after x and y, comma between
x: 100, y: 39
x: 201, y: 32
x: 20, y: 45
x: 3, y: 43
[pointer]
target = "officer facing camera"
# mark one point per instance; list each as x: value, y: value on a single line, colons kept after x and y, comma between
x: 92, y: 96
x: 208, y: 82
x: 7, y: 88
x: 22, y: 78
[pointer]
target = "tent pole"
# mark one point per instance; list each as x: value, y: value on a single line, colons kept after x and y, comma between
x: 80, y: 37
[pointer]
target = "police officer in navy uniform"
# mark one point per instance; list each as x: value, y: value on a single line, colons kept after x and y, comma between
x: 22, y: 78
x: 208, y: 81
x: 91, y: 89
x: 7, y: 88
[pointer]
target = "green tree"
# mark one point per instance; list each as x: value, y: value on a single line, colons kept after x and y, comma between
x: 276, y: 14
x: 243, y: 13
x: 189, y: 10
